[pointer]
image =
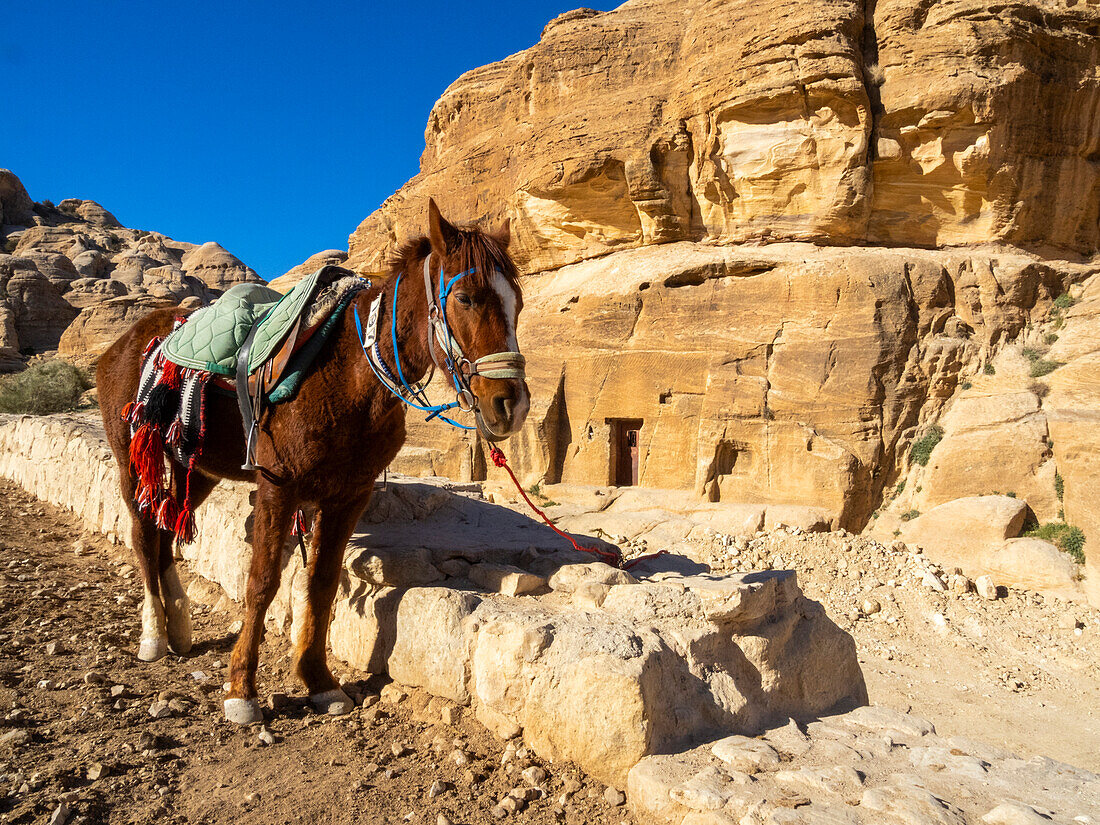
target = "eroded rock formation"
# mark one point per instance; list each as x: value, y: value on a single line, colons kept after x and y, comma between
x: 72, y: 278
x: 895, y: 122
x: 767, y: 249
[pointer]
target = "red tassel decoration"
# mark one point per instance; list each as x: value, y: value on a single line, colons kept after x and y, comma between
x: 175, y: 432
x: 167, y: 515
x: 147, y: 457
x: 172, y: 375
x: 152, y: 345
x: 185, y: 525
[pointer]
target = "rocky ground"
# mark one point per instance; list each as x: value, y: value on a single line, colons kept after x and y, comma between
x: 89, y: 734
x: 1019, y: 671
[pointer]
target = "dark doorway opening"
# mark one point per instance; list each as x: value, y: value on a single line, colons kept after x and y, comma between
x: 624, y: 451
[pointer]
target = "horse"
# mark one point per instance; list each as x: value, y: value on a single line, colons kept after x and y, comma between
x: 325, y: 447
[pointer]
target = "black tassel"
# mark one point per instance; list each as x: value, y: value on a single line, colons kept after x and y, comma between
x: 162, y: 405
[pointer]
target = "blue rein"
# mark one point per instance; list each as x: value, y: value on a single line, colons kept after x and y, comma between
x: 420, y: 402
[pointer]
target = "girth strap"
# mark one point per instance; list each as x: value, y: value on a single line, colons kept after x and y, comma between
x: 249, y: 408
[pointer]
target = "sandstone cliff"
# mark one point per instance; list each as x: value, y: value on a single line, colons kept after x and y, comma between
x: 72, y: 278
x: 781, y: 242
x: 898, y: 122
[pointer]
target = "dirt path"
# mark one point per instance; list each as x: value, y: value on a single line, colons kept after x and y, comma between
x: 76, y: 729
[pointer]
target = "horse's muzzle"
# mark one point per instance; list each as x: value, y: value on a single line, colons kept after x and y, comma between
x: 502, y: 407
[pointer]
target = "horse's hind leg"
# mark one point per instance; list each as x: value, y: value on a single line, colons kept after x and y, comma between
x: 177, y: 607
x: 335, y: 522
x: 270, y: 526
x: 146, y: 539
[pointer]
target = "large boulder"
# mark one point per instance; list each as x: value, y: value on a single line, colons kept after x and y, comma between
x: 216, y: 267
x: 962, y: 531
x: 16, y: 206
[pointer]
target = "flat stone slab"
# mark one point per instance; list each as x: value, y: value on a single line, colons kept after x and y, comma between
x: 872, y: 765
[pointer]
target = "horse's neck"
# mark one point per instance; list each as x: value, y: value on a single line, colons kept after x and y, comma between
x: 411, y: 321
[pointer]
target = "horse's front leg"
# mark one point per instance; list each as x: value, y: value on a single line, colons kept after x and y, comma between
x: 334, y: 524
x: 270, y: 525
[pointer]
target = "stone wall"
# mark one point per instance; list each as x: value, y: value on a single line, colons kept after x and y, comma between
x: 585, y: 662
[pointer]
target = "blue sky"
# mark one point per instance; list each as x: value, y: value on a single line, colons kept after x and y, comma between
x: 272, y: 128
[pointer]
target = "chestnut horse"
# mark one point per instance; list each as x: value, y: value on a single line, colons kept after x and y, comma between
x: 326, y: 446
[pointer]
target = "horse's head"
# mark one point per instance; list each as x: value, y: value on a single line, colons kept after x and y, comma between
x: 477, y: 294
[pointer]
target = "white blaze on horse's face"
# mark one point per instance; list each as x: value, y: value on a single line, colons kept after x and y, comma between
x: 508, y: 301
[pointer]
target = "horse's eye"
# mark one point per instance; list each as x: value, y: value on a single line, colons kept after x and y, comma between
x: 463, y: 299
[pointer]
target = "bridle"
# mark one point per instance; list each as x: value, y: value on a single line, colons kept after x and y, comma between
x: 454, y: 363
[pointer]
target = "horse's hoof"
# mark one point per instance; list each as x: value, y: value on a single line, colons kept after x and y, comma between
x: 242, y: 711
x: 180, y: 646
x: 333, y: 702
x: 149, y: 650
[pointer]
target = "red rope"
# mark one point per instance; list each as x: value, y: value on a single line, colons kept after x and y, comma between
x: 612, y: 558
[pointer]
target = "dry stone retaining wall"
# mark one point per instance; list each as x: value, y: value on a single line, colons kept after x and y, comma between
x: 586, y: 662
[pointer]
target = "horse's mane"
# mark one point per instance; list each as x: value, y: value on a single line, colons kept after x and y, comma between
x: 476, y: 251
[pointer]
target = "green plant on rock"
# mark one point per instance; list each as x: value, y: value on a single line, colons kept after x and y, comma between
x: 909, y: 515
x: 1042, y: 367
x: 1032, y: 354
x: 1066, y: 537
x: 1059, y: 486
x: 900, y: 488
x: 1050, y: 338
x: 922, y: 448
x: 1064, y: 301
x: 989, y: 369
x: 46, y: 386
x: 965, y: 385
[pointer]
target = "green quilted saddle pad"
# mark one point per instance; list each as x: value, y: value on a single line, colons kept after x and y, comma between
x: 213, y: 335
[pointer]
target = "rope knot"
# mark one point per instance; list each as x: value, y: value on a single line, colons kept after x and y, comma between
x: 497, y: 455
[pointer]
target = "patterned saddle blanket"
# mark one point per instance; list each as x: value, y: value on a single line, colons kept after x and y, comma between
x: 214, y: 335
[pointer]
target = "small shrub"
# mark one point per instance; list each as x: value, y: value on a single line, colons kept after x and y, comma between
x: 909, y: 515
x: 46, y: 386
x: 1032, y: 355
x: 1039, y: 388
x: 966, y: 385
x: 1011, y: 494
x: 901, y: 488
x: 1065, y: 537
x: 1059, y: 486
x: 1050, y: 338
x: 897, y: 533
x: 990, y: 369
x: 919, y: 488
x: 1058, y: 323
x: 1042, y: 367
x: 1064, y: 301
x: 922, y: 448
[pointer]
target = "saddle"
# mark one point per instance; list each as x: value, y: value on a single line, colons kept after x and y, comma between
x: 262, y: 339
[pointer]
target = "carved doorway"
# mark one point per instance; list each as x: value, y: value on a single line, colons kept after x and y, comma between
x: 625, y: 434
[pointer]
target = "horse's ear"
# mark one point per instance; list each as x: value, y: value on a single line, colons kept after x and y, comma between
x: 503, y: 235
x: 443, y: 236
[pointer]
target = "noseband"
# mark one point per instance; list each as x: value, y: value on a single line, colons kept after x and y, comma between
x: 455, y: 364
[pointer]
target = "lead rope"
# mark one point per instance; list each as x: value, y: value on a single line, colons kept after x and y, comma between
x: 615, y: 559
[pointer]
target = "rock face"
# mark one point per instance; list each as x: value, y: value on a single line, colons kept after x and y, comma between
x: 893, y: 123
x: 72, y: 278
x: 589, y: 664
x: 767, y: 249
x: 284, y: 283
x: 872, y: 765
